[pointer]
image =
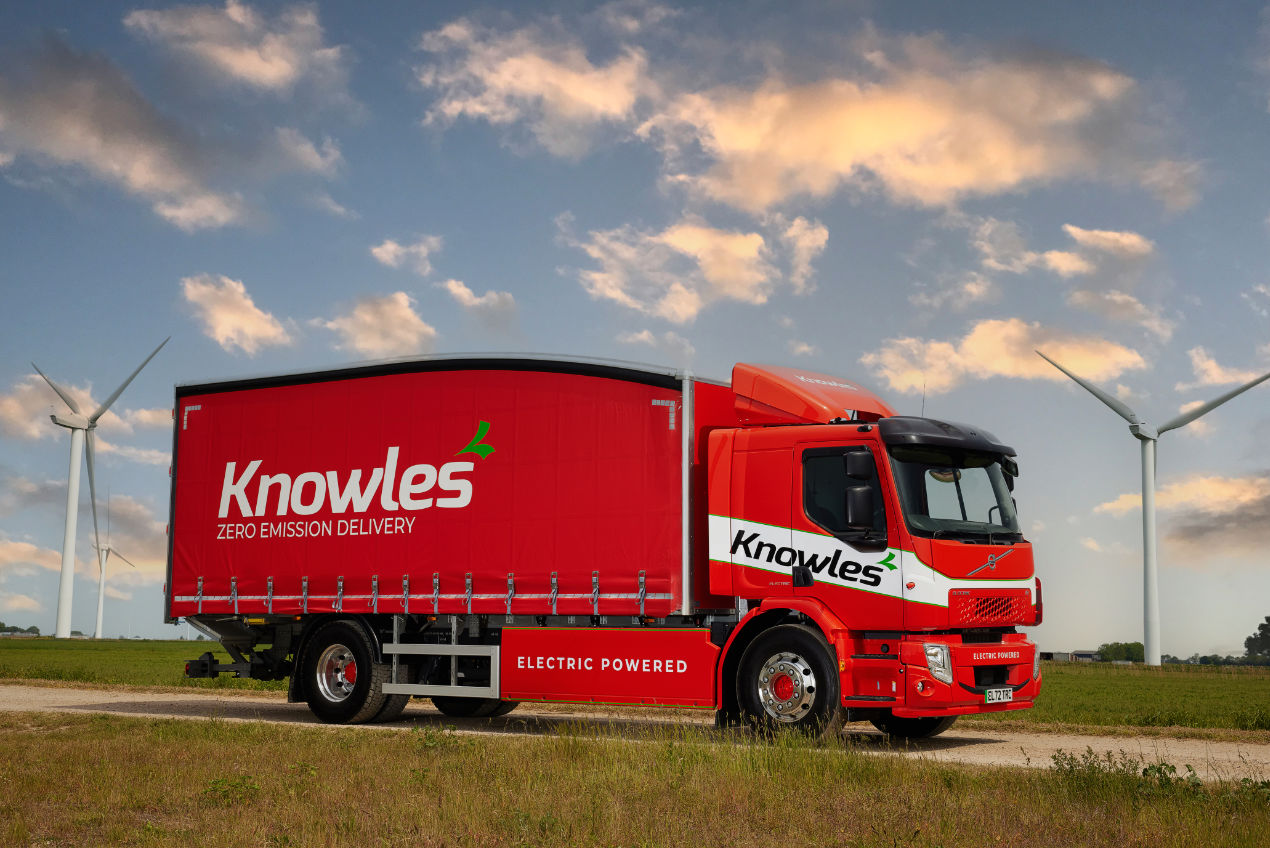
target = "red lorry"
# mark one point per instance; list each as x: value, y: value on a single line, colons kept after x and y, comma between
x: 784, y: 550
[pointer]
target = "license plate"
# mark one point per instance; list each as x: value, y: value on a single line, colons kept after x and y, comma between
x: 998, y: 696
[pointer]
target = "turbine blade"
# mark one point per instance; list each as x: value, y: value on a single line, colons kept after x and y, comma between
x: 101, y: 410
x: 60, y: 393
x: 92, y: 486
x: 122, y: 557
x: 1187, y: 417
x: 1117, y: 406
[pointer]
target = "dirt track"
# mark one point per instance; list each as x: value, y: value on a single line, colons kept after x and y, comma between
x: 1211, y: 760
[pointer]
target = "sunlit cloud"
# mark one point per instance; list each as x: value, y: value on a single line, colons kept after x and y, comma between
x: 996, y: 348
x: 495, y: 309
x: 15, y: 602
x: 1121, y: 306
x: 1208, y: 372
x: 79, y: 110
x: 1127, y: 245
x: 295, y: 148
x: 676, y: 272
x: 230, y: 317
x: 383, y: 326
x: 549, y: 84
x: 236, y: 44
x: 25, y: 410
x: 416, y: 257
x: 959, y: 294
x: 672, y: 345
x: 1208, y: 494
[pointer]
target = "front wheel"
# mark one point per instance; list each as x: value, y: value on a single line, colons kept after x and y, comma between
x: 787, y: 681
x: 343, y: 682
x: 913, y: 728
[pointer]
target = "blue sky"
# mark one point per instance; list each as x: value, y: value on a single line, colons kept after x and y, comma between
x: 911, y: 195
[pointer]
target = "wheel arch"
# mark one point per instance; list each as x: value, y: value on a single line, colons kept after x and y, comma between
x: 769, y: 614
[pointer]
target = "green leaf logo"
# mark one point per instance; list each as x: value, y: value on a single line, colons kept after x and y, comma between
x: 890, y: 555
x: 475, y: 445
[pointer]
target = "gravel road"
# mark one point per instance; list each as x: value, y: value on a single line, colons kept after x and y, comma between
x: 995, y: 747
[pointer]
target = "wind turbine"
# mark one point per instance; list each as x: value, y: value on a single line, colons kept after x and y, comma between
x: 81, y: 428
x: 1148, y: 435
x: 103, y: 554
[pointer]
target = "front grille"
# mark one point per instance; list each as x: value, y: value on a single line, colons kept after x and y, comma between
x: 989, y: 607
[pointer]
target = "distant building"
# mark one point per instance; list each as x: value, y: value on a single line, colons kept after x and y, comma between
x: 1086, y: 656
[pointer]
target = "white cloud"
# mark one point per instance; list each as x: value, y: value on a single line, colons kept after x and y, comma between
x: 157, y: 418
x: 417, y: 256
x: 230, y: 317
x: 806, y: 240
x: 495, y: 309
x: 1121, y: 306
x: 14, y: 555
x: 25, y: 410
x: 383, y: 326
x: 801, y: 348
x: 1066, y: 264
x: 323, y: 201
x: 13, y: 602
x: 960, y: 294
x: 677, y: 272
x: 305, y: 155
x: 1126, y: 245
x: 1209, y: 373
x: 549, y: 84
x: 147, y: 456
x: 1258, y: 297
x: 78, y: 109
x: 1211, y: 495
x: 996, y: 348
x: 1091, y: 545
x: 925, y: 126
x: 669, y: 343
x: 239, y: 45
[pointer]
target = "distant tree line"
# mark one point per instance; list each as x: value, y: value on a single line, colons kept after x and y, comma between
x: 13, y: 628
x: 1256, y: 651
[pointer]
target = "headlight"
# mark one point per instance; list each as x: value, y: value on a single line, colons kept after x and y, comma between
x: 939, y: 661
x: 1036, y: 664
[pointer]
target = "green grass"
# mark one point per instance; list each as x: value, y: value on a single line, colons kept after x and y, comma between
x: 152, y: 782
x: 1099, y: 694
x: 128, y: 662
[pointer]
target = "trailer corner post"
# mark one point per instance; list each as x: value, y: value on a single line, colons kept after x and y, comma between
x: 688, y: 422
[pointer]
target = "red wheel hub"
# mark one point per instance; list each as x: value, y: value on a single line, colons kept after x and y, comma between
x: 783, y: 687
x: 350, y: 673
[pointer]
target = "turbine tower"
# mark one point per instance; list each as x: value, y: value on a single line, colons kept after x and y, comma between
x: 1148, y: 435
x: 81, y: 428
x: 103, y: 555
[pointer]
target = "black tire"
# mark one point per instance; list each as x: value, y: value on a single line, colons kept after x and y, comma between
x: 335, y: 695
x: 787, y: 680
x: 394, y: 706
x: 913, y: 728
x: 456, y: 707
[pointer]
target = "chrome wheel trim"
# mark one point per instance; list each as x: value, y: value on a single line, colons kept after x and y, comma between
x: 786, y: 670
x: 332, y: 673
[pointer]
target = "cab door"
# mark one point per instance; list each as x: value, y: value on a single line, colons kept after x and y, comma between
x: 851, y: 568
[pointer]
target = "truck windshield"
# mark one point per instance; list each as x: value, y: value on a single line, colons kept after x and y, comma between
x: 954, y: 494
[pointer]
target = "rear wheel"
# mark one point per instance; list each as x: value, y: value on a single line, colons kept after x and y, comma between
x: 473, y: 707
x: 787, y: 681
x: 913, y: 728
x: 342, y: 679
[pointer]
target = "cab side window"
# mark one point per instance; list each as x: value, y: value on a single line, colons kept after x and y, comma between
x: 825, y: 484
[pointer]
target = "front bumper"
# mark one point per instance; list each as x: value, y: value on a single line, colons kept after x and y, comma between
x: 976, y: 669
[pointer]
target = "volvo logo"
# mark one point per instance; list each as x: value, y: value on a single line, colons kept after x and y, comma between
x: 992, y: 562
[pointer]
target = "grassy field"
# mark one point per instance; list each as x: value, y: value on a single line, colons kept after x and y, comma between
x: 116, y: 662
x: 1193, y: 696
x: 81, y: 780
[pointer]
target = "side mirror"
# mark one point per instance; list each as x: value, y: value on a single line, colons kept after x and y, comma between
x: 860, y: 508
x: 859, y: 464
